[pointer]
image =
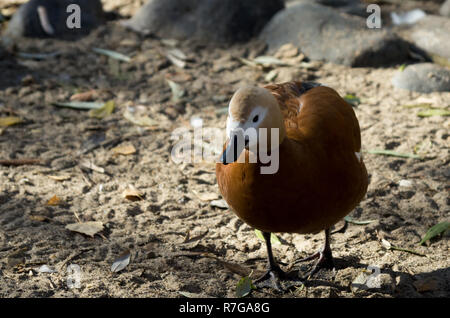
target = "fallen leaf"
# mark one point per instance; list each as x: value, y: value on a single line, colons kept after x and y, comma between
x: 206, y: 196
x: 353, y: 221
x: 54, y: 201
x: 271, y: 75
x: 434, y: 231
x: 236, y: 268
x: 192, y: 295
x: 244, y: 287
x: 434, y: 112
x: 268, y: 61
x: 60, y: 178
x: 387, y: 245
x: 177, y: 91
x: 273, y: 238
x: 393, y: 153
x: 39, y: 218
x: 87, y: 164
x: 423, y: 105
x: 121, y: 262
x: 9, y: 121
x: 84, y: 97
x: 124, y: 150
x: 89, y: 228
x: 38, y: 56
x: 80, y: 105
x: 177, y: 57
x: 132, y: 194
x: 352, y: 99
x: 104, y: 111
x: 46, y: 269
x: 138, y: 119
x: 112, y: 54
x: 221, y: 204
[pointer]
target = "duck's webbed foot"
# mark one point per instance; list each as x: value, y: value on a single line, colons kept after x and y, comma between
x: 324, y: 258
x: 275, y: 277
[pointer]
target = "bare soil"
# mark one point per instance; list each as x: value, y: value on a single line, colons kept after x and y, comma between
x: 179, y: 242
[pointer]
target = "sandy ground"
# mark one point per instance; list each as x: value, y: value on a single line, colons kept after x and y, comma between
x: 178, y: 241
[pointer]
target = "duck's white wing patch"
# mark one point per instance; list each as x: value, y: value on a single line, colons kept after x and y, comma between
x: 358, y: 156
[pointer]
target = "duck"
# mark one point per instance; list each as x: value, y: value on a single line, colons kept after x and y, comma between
x: 318, y: 175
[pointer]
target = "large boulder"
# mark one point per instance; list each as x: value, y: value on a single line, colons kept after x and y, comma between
x: 216, y: 21
x: 423, y: 78
x: 445, y: 9
x: 323, y: 33
x: 48, y: 18
x: 430, y: 34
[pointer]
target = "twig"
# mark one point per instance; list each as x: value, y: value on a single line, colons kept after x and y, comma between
x: 20, y: 162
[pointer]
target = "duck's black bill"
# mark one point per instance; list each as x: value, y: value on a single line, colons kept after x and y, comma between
x: 233, y: 150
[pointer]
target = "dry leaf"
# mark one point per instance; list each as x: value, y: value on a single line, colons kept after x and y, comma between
x: 121, y: 262
x: 90, y: 165
x: 137, y: 118
x: 9, y: 121
x: 84, y: 97
x: 221, y: 204
x: 133, y: 194
x: 206, y: 196
x: 46, y: 269
x: 38, y: 218
x: 54, y: 201
x: 88, y: 228
x: 60, y: 178
x: 124, y: 150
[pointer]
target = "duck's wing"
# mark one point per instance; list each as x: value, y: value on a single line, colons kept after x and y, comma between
x: 288, y: 96
x: 309, y: 108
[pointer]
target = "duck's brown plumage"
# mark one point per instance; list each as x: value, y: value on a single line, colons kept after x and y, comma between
x: 320, y: 179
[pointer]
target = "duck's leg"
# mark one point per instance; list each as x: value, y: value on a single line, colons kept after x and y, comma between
x: 324, y: 257
x: 274, y: 273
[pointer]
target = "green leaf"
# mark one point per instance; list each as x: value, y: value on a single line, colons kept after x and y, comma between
x: 424, y: 105
x: 352, y: 100
x: 351, y: 220
x: 273, y: 238
x: 393, y: 153
x: 106, y: 110
x: 402, y: 67
x: 434, y: 112
x: 80, y: 105
x: 244, y: 287
x: 112, y: 54
x: 407, y: 250
x: 434, y: 231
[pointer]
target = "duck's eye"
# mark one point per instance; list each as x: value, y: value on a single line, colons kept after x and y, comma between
x: 255, y: 119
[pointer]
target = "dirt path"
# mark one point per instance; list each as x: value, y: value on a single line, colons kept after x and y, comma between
x: 179, y: 242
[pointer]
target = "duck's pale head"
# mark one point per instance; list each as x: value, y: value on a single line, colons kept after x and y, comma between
x: 253, y: 116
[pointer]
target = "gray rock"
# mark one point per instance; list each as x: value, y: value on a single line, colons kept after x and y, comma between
x: 445, y: 9
x: 323, y: 33
x: 28, y: 22
x: 423, y: 78
x: 382, y: 282
x: 216, y: 21
x: 431, y: 35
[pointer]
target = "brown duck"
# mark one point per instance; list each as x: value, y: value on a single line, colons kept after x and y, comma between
x: 320, y: 176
